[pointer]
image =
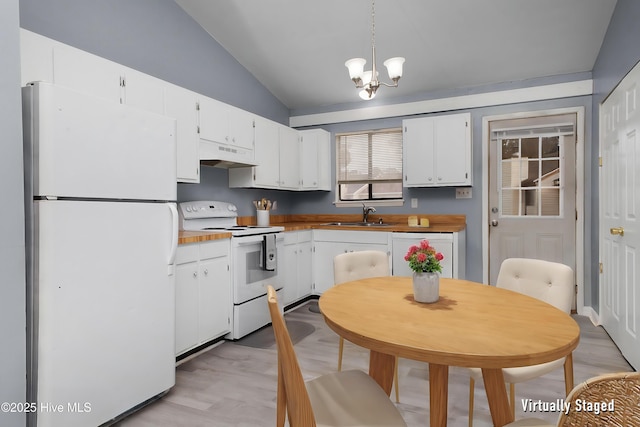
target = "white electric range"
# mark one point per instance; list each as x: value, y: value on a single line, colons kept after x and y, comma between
x: 255, y: 255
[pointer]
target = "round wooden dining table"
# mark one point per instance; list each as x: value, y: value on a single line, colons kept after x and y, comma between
x: 471, y: 325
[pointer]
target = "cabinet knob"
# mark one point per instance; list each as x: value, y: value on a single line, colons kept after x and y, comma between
x: 430, y: 178
x: 206, y: 271
x: 195, y: 274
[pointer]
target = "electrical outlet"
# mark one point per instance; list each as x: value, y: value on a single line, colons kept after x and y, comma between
x: 463, y: 193
x: 414, y: 203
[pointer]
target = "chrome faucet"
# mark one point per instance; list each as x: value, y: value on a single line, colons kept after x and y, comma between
x: 366, y: 210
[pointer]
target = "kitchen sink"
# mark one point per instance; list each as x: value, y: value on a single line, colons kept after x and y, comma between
x: 357, y: 224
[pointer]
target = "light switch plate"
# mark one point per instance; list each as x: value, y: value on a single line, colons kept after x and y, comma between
x: 414, y: 203
x: 463, y: 193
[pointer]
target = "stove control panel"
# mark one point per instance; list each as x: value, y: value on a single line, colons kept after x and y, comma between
x: 207, y: 209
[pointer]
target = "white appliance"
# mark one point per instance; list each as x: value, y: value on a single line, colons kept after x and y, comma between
x: 255, y: 260
x: 102, y: 233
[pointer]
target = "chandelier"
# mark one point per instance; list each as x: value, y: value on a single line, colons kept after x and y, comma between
x: 368, y: 80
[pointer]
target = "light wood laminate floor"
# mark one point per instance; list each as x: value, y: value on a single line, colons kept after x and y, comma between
x: 234, y: 385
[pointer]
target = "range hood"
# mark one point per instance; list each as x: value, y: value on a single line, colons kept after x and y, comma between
x: 225, y: 156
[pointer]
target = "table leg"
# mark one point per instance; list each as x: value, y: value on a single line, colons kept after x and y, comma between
x: 568, y: 373
x: 497, y: 396
x: 381, y: 367
x: 438, y: 394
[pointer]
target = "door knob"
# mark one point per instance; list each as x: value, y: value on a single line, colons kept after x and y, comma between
x: 494, y: 222
x: 617, y: 231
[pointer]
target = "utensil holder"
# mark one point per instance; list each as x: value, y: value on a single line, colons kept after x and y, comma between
x: 262, y: 217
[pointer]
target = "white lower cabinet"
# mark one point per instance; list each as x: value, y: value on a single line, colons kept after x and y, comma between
x: 297, y: 272
x: 329, y: 243
x: 203, y: 293
x: 451, y: 245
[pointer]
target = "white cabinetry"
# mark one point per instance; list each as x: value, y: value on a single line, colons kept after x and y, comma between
x: 289, y: 158
x: 436, y: 151
x: 97, y: 76
x: 329, y: 243
x: 220, y: 122
x: 315, y: 160
x: 203, y: 293
x: 182, y: 105
x: 297, y: 272
x: 451, y: 245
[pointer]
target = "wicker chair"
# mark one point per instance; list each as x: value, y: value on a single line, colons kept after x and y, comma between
x: 621, y: 390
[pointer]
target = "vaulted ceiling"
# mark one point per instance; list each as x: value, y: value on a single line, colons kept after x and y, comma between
x: 297, y: 48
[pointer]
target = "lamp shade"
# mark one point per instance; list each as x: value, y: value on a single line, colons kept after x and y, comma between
x: 394, y: 67
x: 356, y: 67
x: 365, y: 95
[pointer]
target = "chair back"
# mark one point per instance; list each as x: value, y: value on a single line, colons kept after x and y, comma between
x: 360, y: 265
x: 292, y: 391
x: 621, y: 391
x: 547, y: 281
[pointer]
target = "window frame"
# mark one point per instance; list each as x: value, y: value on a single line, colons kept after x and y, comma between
x: 369, y: 202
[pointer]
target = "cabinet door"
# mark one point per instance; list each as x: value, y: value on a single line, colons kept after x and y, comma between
x: 289, y: 156
x: 267, y: 154
x: 143, y: 91
x: 308, y: 161
x: 290, y: 273
x: 36, y: 58
x: 453, y: 150
x: 215, y: 298
x: 181, y: 105
x: 323, y: 264
x: 214, y: 120
x: 417, y: 152
x: 241, y: 128
x: 324, y: 161
x: 87, y: 73
x: 186, y: 306
x: 305, y: 269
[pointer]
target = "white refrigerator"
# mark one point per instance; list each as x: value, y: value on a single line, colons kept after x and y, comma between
x: 102, y: 230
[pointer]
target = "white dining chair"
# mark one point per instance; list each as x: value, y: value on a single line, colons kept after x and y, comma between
x: 361, y: 265
x: 547, y: 281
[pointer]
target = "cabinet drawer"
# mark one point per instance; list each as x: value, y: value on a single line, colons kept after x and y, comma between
x: 187, y: 253
x: 214, y: 249
x: 348, y: 236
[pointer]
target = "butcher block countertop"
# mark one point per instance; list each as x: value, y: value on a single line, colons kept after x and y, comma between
x: 397, y: 223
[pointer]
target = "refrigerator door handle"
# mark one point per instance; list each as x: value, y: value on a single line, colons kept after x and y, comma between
x: 174, y: 236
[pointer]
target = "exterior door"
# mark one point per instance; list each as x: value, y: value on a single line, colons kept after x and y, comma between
x: 619, y: 212
x: 532, y: 190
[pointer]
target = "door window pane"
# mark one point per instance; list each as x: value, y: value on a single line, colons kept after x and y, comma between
x: 531, y: 175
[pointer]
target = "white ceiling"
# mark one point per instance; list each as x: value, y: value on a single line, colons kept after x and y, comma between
x: 297, y: 48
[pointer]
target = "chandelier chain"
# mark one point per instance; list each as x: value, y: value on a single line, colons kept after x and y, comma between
x: 373, y: 23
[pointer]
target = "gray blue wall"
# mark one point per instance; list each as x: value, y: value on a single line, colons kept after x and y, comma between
x: 12, y: 249
x: 620, y: 51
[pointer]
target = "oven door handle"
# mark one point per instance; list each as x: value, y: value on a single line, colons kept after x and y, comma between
x: 253, y: 240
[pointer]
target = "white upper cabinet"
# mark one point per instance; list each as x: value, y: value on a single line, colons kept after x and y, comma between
x: 436, y: 151
x: 315, y: 160
x: 220, y: 122
x: 181, y: 104
x: 36, y: 58
x: 289, y: 159
x: 87, y: 73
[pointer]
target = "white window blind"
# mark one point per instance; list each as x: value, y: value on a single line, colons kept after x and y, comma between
x: 370, y: 165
